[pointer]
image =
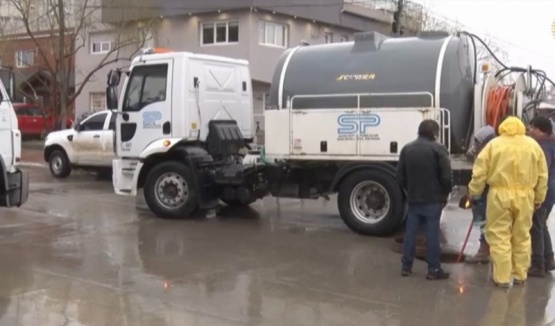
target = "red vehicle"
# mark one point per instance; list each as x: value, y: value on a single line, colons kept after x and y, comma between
x: 35, y: 122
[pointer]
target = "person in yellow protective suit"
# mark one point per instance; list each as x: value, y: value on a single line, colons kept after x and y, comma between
x: 514, y: 167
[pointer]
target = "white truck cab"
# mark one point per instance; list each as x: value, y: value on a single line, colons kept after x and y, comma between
x: 88, y: 145
x: 14, y: 183
x: 179, y: 113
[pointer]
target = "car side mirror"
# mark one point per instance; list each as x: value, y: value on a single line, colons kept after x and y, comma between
x: 78, y: 127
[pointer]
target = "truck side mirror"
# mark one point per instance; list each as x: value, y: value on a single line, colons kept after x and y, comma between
x: 111, y: 98
x: 114, y: 77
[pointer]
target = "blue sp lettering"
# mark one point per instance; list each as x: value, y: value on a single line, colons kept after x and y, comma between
x: 347, y: 124
x: 151, y: 117
x: 350, y: 123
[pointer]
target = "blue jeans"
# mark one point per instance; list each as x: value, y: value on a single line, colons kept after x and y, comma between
x: 481, y: 210
x: 427, y: 215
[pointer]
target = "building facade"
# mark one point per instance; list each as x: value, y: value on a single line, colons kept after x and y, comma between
x: 30, y: 59
x: 258, y: 31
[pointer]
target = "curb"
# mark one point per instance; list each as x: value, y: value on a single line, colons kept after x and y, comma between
x: 33, y: 165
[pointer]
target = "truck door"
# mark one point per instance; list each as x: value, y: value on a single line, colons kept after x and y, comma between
x: 7, y: 122
x: 146, y: 108
x: 108, y: 140
x: 36, y: 121
x: 87, y: 143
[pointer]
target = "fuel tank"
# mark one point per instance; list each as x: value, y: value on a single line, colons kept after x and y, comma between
x: 433, y: 69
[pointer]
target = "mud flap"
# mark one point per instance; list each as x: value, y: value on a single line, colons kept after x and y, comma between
x: 17, y: 191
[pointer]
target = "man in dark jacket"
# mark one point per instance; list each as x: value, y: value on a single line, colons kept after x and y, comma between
x: 424, y: 171
x: 541, y: 129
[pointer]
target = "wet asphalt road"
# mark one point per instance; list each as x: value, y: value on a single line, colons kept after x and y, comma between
x: 76, y: 254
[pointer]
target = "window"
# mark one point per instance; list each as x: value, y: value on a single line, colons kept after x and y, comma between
x: 220, y: 33
x: 328, y: 37
x: 344, y: 38
x: 147, y: 85
x: 34, y: 112
x: 272, y: 34
x: 101, y: 47
x: 25, y: 58
x: 21, y: 112
x: 98, y: 101
x: 96, y: 122
x: 29, y: 112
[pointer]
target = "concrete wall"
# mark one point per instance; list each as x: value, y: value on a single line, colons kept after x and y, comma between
x: 183, y: 33
x: 127, y: 43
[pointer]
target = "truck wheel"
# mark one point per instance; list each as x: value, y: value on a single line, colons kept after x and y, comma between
x: 371, y: 203
x: 59, y: 164
x: 169, y: 191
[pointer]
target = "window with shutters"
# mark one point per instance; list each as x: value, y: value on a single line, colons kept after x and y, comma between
x: 98, y: 101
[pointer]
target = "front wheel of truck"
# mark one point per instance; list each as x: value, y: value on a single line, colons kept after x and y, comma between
x: 169, y: 190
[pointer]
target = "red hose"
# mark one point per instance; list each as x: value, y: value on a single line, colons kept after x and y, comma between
x: 497, y: 105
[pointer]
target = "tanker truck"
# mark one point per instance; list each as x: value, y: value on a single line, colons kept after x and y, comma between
x: 338, y: 117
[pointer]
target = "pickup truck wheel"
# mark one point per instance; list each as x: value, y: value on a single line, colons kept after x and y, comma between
x: 169, y: 191
x: 371, y: 203
x: 59, y: 164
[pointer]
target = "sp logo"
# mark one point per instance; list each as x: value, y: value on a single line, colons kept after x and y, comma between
x: 151, y: 119
x: 351, y: 123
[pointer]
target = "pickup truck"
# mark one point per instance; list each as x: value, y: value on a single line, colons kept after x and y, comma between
x: 87, y: 146
x: 35, y: 122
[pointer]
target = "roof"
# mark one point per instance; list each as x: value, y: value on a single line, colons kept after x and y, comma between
x: 185, y: 55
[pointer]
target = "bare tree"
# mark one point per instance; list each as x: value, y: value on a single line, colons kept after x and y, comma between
x: 59, y: 30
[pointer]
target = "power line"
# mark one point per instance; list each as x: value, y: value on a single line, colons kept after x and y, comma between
x: 498, y: 39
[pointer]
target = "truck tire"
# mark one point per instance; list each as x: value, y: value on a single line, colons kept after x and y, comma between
x: 371, y: 202
x: 59, y: 164
x: 169, y: 190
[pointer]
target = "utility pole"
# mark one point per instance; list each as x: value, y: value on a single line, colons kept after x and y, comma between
x: 397, y: 19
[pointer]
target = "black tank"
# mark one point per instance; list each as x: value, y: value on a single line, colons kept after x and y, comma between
x: 374, y: 63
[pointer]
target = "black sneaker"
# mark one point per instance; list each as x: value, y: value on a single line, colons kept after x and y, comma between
x: 438, y: 274
x: 536, y: 271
